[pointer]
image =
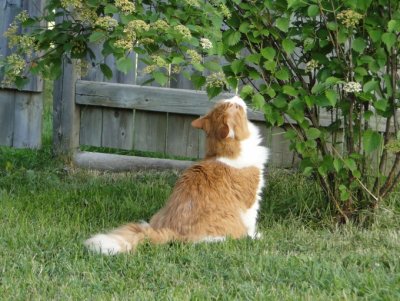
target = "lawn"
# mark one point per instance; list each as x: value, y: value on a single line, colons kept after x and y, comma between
x: 48, y: 208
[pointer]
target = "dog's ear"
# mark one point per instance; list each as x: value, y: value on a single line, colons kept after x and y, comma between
x: 224, y: 131
x: 198, y: 123
x: 201, y: 123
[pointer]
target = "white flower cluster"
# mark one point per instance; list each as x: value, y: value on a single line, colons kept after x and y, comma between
x: 352, y: 87
x: 108, y: 23
x: 124, y: 44
x: 125, y: 6
x: 160, y: 25
x: 183, y: 30
x: 195, y: 57
x: 206, y: 43
x: 216, y: 80
x: 349, y: 18
x: 311, y: 65
x: 194, y: 3
x: 18, y: 66
x: 136, y: 26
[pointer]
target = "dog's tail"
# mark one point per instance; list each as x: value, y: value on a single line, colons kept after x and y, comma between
x: 128, y: 237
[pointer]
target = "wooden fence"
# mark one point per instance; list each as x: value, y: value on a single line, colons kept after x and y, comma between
x: 20, y: 110
x: 141, y: 118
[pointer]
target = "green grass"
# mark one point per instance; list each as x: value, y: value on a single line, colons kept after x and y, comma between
x: 47, y: 209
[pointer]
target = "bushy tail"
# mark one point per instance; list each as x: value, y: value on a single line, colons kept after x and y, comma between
x: 127, y: 237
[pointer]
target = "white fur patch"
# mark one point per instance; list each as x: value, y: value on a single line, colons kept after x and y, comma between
x: 251, y: 152
x: 237, y: 100
x: 104, y: 244
x: 249, y: 219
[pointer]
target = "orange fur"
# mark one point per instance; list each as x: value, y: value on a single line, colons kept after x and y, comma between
x: 209, y: 198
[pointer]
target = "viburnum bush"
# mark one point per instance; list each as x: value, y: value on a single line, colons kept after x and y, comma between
x: 325, y: 71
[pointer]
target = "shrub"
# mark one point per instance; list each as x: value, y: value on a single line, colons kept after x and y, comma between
x: 325, y: 71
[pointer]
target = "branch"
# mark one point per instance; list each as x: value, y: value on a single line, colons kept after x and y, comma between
x: 385, y: 189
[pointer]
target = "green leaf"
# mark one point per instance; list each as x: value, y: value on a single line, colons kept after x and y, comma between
x: 375, y: 34
x: 350, y: 164
x: 344, y: 193
x: 307, y: 171
x: 322, y: 170
x: 370, y: 86
x: 332, y: 80
x: 268, y: 53
x: 271, y: 92
x: 282, y: 24
x: 246, y: 90
x: 244, y: 27
x: 232, y: 82
x: 313, y: 133
x: 198, y: 80
x: 359, y: 45
x: 237, y: 66
x: 389, y: 39
x: 106, y: 71
x: 198, y: 67
x: 332, y: 97
x: 394, y: 26
x: 371, y: 140
x: 20, y: 82
x: 368, y: 115
x: 318, y: 88
x: 270, y: 66
x: 110, y: 9
x: 332, y: 25
x: 288, y: 45
x: 293, y: 3
x: 280, y: 102
x: 213, y: 91
x: 212, y: 66
x: 289, y: 90
x: 337, y: 164
x: 177, y: 60
x: 290, y: 134
x: 160, y: 77
x: 96, y: 36
x: 361, y: 71
x: 253, y: 58
x: 381, y: 104
x: 233, y: 38
x: 124, y: 64
x: 313, y: 10
x: 282, y: 74
x: 258, y: 101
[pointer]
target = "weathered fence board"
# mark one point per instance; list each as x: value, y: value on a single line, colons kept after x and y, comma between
x: 28, y: 120
x: 20, y: 111
x: 182, y: 138
x: 117, y: 128
x: 91, y: 126
x: 7, y: 104
x: 20, y: 119
x: 168, y: 100
x: 150, y: 131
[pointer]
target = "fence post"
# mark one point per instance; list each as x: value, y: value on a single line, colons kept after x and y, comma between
x: 66, y: 115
